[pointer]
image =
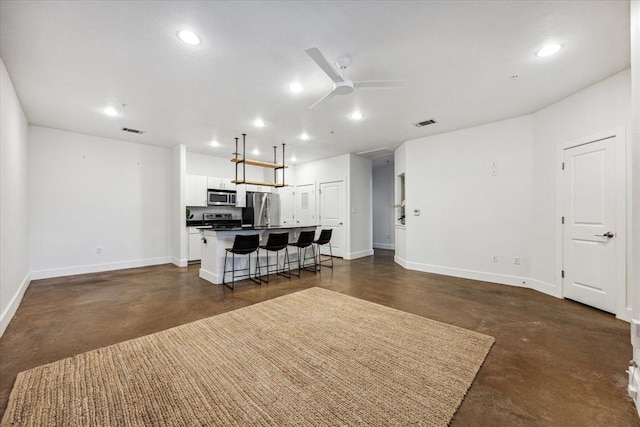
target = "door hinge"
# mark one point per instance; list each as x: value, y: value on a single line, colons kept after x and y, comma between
x: 563, y: 274
x: 563, y: 220
x: 562, y: 165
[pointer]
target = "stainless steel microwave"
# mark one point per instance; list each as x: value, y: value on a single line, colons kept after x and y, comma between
x: 221, y: 198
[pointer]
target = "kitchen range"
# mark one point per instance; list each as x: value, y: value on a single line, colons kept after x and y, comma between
x: 220, y: 221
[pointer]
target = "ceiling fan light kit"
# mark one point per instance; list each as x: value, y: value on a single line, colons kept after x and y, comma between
x: 341, y: 84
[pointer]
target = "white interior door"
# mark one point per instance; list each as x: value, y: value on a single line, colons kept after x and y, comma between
x: 305, y: 197
x: 287, y: 205
x: 332, y: 214
x: 589, y: 233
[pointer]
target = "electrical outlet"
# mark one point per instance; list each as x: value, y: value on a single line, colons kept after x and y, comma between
x: 516, y: 260
x: 416, y: 212
x: 99, y: 251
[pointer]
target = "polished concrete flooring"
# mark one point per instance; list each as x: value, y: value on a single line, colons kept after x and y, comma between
x: 554, y: 362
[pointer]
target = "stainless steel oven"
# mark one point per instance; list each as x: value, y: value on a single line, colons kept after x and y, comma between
x: 221, y: 198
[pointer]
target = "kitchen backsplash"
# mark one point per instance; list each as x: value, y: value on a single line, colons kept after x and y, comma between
x: 198, y: 211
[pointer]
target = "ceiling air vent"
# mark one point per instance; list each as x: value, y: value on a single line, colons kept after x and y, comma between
x: 378, y: 152
x: 132, y: 130
x: 425, y: 123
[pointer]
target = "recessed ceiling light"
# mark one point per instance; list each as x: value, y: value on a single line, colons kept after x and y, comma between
x: 189, y: 37
x: 111, y: 111
x: 548, y: 50
x: 304, y: 136
x: 255, y: 152
x: 296, y: 87
x: 258, y: 123
x: 293, y: 158
x: 356, y: 115
x: 214, y: 144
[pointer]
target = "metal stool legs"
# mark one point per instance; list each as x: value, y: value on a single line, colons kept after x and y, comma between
x: 242, y: 245
x: 325, y: 238
x: 286, y: 263
x: 321, y: 261
x: 256, y: 278
x: 302, y: 258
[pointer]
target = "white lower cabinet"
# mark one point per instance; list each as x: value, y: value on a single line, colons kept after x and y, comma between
x: 195, y: 246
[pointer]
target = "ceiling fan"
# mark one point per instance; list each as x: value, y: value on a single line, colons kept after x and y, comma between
x: 341, y: 84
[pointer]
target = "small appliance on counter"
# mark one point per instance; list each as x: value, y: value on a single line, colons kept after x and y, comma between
x: 221, y: 221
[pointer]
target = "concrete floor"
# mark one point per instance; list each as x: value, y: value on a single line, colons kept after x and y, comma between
x: 555, y: 362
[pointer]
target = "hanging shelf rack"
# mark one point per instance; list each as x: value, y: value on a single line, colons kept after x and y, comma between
x: 244, y: 161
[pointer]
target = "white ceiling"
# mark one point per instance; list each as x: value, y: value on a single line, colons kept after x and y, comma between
x: 70, y: 59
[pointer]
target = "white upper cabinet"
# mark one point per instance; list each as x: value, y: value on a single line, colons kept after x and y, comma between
x: 196, y: 190
x: 220, y: 183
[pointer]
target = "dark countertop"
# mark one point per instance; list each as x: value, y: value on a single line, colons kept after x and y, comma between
x: 275, y: 227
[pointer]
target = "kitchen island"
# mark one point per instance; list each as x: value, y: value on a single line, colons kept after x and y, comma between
x: 215, y: 241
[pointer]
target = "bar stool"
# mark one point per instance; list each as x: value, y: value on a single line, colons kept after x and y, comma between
x: 325, y: 237
x: 242, y: 245
x: 275, y: 243
x: 305, y: 239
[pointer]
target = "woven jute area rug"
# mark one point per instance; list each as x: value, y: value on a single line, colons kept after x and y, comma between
x: 311, y: 358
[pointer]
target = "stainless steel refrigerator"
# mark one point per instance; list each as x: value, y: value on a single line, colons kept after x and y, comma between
x: 263, y: 210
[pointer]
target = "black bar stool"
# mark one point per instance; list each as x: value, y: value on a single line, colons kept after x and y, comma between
x: 275, y: 243
x: 325, y: 238
x: 242, y: 245
x: 305, y: 239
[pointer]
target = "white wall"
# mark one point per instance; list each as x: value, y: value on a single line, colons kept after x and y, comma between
x: 602, y: 106
x: 360, y: 208
x: 87, y: 192
x: 634, y: 270
x: 635, y: 156
x: 468, y: 214
x: 325, y: 170
x: 177, y: 218
x: 14, y: 230
x: 383, y: 210
x: 400, y: 168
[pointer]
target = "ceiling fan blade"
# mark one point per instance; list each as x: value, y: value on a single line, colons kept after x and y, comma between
x: 379, y: 83
x: 329, y: 95
x: 322, y: 62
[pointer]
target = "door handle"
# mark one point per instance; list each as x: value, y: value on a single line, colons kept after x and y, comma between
x: 340, y: 223
x: 608, y: 235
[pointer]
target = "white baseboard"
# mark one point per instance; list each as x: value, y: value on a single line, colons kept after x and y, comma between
x: 11, y: 309
x: 179, y: 262
x: 634, y: 385
x: 96, y: 268
x: 544, y: 287
x: 209, y: 276
x: 626, y: 314
x: 402, y: 262
x: 359, y: 254
x: 468, y: 274
x: 388, y: 246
